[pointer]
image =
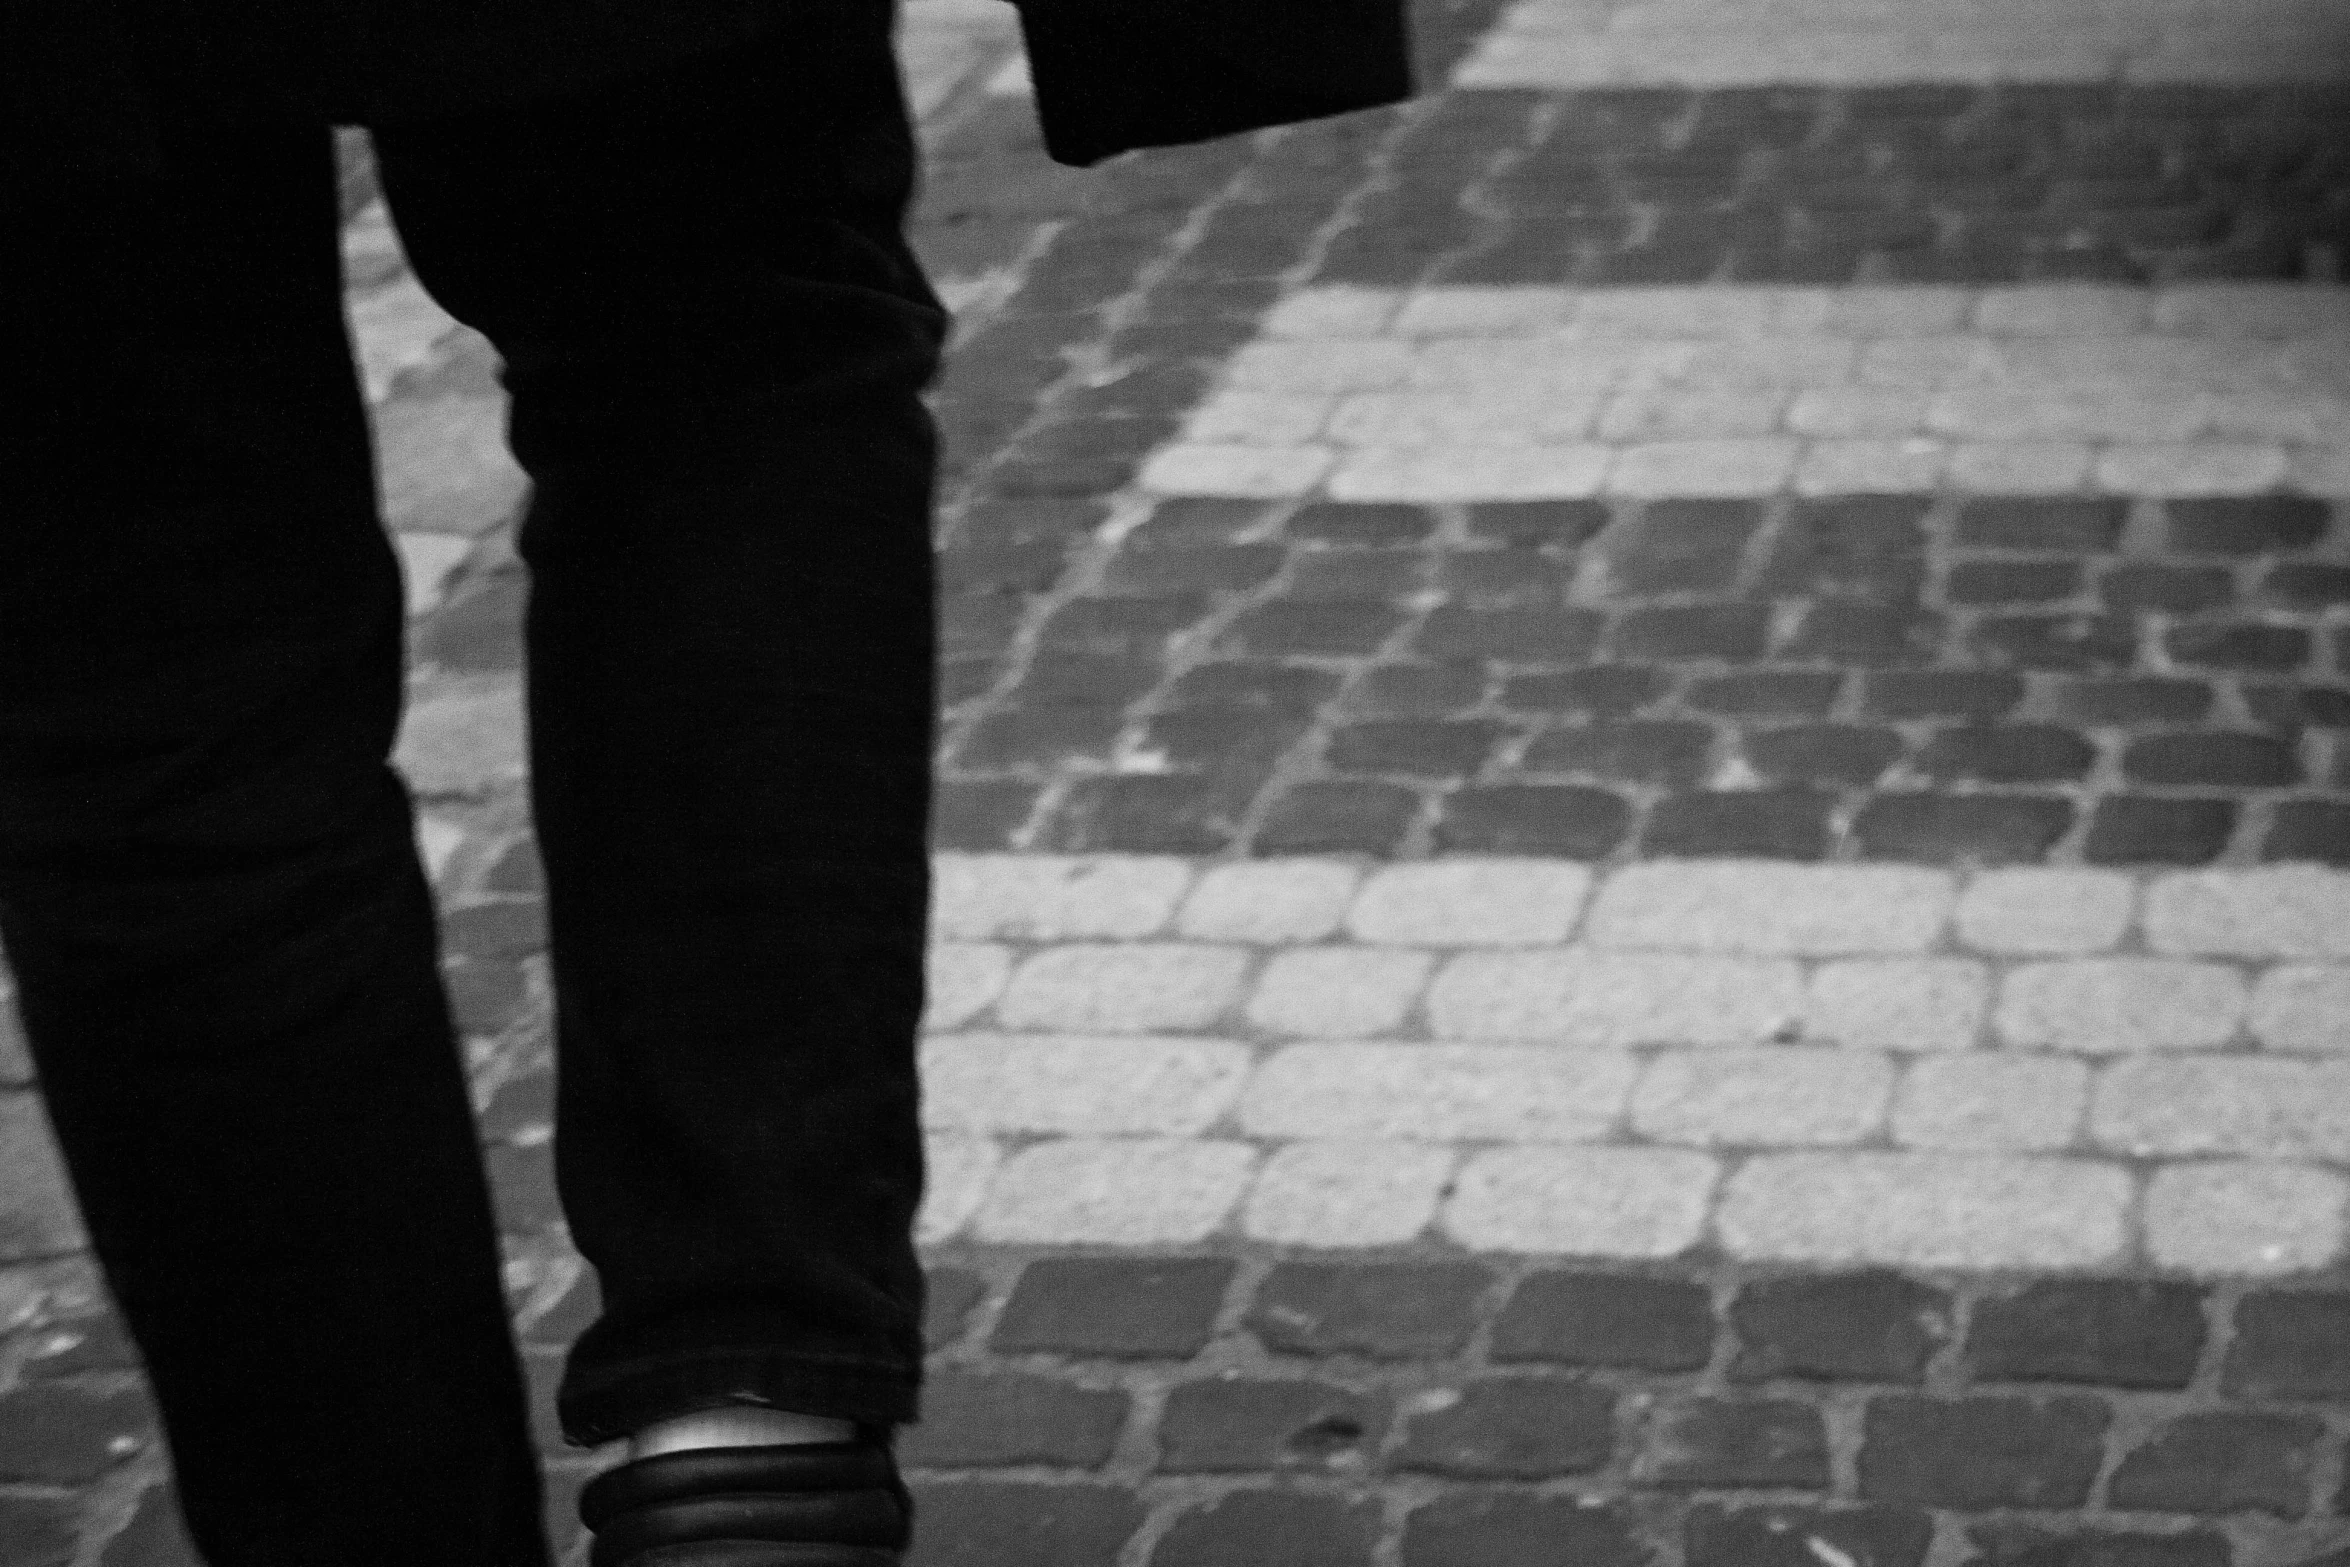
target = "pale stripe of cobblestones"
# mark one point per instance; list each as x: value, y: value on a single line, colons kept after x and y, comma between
x: 2046, y: 909
x: 1927, y: 1210
x: 1770, y: 908
x: 427, y: 561
x: 1124, y: 988
x: 2247, y: 1218
x: 1469, y: 903
x: 1052, y: 1083
x: 1563, y: 44
x: 1339, y: 992
x: 1054, y: 897
x: 1269, y: 901
x: 464, y: 739
x: 956, y: 1172
x: 1347, y: 1193
x: 2099, y: 1005
x: 961, y: 980
x: 2276, y: 911
x: 1438, y: 1093
x: 2262, y: 1107
x: 1587, y: 1202
x: 1589, y: 998
x: 1114, y: 1192
x: 1773, y: 1097
x: 1986, y: 1102
x: 2303, y: 1007
x: 1899, y: 1003
x: 1453, y: 394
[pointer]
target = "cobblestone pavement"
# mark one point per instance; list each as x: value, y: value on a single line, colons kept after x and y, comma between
x: 1643, y: 821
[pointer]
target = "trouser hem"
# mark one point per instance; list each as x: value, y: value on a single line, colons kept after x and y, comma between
x: 619, y: 1403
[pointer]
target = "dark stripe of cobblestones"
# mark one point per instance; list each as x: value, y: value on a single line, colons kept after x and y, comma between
x: 1871, y: 677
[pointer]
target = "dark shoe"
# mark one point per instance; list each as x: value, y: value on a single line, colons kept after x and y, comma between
x: 816, y: 1504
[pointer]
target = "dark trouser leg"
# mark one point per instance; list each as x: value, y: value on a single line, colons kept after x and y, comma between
x: 716, y: 340
x: 209, y: 892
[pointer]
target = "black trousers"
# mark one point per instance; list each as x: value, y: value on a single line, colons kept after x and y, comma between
x: 226, y: 951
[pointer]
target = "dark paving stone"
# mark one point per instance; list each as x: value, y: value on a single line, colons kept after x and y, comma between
x: 1833, y: 754
x: 1692, y: 631
x: 1511, y: 1427
x: 1982, y: 1452
x: 62, y: 1433
x: 2084, y: 525
x: 1861, y: 1327
x: 962, y: 1523
x: 2306, y: 584
x: 2112, y: 1332
x: 1414, y: 748
x: 1869, y: 635
x: 1783, y: 824
x: 1940, y: 693
x: 1597, y: 690
x: 979, y: 814
x: 949, y: 1294
x: 1784, y: 693
x: 2291, y: 1346
x: 39, y: 1531
x: 2245, y: 525
x: 1153, y: 1308
x: 2289, y: 706
x: 1264, y: 1528
x: 1938, y: 829
x: 1151, y: 814
x: 2070, y: 643
x: 485, y: 994
x: 1546, y: 636
x: 480, y: 632
x: 2223, y: 758
x: 1333, y: 522
x: 2309, y: 830
x: 987, y: 1419
x: 1686, y: 546
x: 504, y: 928
x: 1234, y: 569
x: 1597, y: 1319
x: 1257, y: 683
x: 1385, y: 1310
x: 1736, y: 1444
x: 2008, y: 1544
x: 2146, y: 699
x: 2221, y: 1463
x: 2158, y: 830
x: 2012, y: 582
x: 1338, y: 818
x: 1485, y: 1528
x: 1565, y: 820
x: 1420, y: 690
x: 1559, y: 524
x: 2170, y: 589
x: 2006, y: 753
x: 2262, y: 648
x: 1715, y: 1535
x: 1624, y: 751
x: 1231, y: 1423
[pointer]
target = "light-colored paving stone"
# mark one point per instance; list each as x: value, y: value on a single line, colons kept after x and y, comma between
x: 2281, y: 911
x: 1438, y: 1093
x: 468, y: 739
x: 1991, y: 1102
x: 1763, y: 906
x: 1926, y: 1210
x: 955, y: 1174
x: 2099, y: 1005
x: 2046, y: 909
x: 1899, y: 1003
x: 1049, y: 897
x: 437, y: 841
x: 979, y: 1083
x: 1469, y: 903
x: 2303, y: 1007
x: 1268, y: 901
x: 1114, y: 1192
x: 1774, y: 1097
x: 1589, y: 998
x: 1347, y: 1193
x: 396, y: 328
x: 961, y: 979
x: 1338, y: 992
x: 444, y: 466
x: 2261, y: 1107
x: 2245, y: 1218
x: 1454, y: 394
x: 1124, y: 987
x: 427, y: 561
x: 1593, y: 1202
x: 1712, y: 43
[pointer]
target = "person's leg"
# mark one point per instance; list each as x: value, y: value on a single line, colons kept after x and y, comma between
x: 223, y: 942
x: 716, y: 341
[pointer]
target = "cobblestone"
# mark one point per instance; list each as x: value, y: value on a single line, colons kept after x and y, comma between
x: 1339, y: 991
x: 1625, y: 1203
x: 1347, y: 1193
x: 1114, y: 1191
x: 1780, y: 1097
x: 1771, y: 909
x: 1118, y: 1085
x: 2245, y: 1217
x: 1123, y: 988
x: 2110, y: 1004
x: 1469, y: 903
x: 1926, y: 1210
